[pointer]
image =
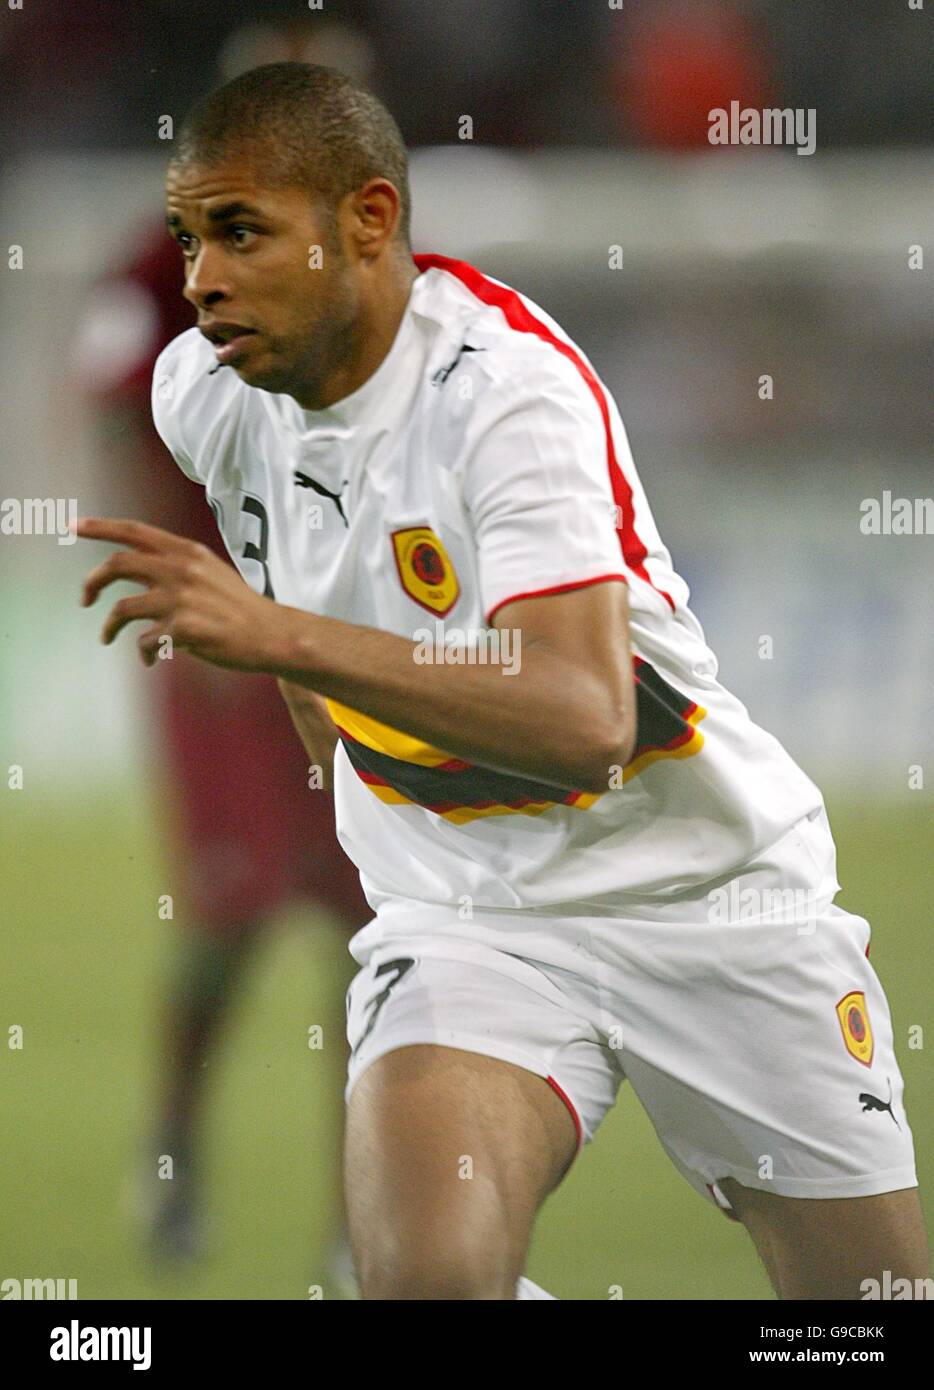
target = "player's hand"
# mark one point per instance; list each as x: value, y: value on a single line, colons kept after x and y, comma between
x: 191, y: 596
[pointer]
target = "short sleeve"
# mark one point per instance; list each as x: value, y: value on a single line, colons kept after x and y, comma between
x: 167, y: 404
x: 537, y: 488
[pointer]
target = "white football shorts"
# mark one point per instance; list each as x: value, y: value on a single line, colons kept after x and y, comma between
x: 747, y: 1019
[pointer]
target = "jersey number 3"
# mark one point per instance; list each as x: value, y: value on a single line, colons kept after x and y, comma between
x: 254, y: 507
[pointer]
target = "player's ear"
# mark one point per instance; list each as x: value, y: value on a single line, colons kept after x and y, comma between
x: 375, y: 209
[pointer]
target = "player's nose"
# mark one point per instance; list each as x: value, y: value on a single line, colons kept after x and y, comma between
x: 204, y: 282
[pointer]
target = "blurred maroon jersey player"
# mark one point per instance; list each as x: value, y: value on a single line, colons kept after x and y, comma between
x: 250, y: 835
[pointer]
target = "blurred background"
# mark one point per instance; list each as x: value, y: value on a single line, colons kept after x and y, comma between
x: 588, y: 132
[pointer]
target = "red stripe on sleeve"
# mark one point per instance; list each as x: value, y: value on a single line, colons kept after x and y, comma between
x: 520, y: 318
x: 557, y: 589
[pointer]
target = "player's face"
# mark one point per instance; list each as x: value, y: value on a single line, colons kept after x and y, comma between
x: 264, y: 261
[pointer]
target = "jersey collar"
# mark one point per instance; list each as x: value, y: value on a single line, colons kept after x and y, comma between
x: 387, y: 383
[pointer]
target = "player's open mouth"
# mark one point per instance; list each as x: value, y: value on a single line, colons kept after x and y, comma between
x: 227, y: 339
x: 226, y: 351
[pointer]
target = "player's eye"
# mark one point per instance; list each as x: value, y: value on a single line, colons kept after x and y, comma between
x: 187, y: 242
x: 241, y: 235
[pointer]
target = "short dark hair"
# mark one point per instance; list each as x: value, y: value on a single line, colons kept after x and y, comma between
x: 311, y: 127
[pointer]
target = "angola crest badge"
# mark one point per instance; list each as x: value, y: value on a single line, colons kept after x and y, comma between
x: 857, y: 1030
x: 425, y: 569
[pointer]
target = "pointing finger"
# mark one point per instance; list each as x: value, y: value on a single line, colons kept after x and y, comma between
x: 137, y: 534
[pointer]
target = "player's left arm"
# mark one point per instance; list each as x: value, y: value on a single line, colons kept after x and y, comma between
x: 566, y: 716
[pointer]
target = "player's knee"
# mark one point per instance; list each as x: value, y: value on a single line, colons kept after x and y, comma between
x: 401, y: 1282
x: 446, y: 1267
x: 837, y: 1248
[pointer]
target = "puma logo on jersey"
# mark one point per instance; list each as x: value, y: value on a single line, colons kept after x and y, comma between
x: 870, y: 1102
x: 302, y: 480
x: 441, y: 376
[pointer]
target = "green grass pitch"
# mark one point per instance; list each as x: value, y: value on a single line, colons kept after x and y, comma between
x: 82, y: 953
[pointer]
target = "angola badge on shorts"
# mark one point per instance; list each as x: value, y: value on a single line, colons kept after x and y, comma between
x: 857, y: 1030
x: 425, y: 569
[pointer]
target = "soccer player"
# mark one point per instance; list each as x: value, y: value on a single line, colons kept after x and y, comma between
x: 586, y: 863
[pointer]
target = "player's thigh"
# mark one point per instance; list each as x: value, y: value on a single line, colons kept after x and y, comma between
x: 827, y: 1248
x: 449, y: 1154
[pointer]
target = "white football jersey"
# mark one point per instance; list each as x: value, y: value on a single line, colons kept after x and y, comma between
x: 483, y: 461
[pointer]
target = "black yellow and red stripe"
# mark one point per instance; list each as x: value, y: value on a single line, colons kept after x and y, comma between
x: 405, y: 771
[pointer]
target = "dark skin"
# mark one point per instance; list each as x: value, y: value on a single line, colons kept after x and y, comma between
x: 568, y: 716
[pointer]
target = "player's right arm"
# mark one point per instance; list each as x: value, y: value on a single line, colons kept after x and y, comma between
x: 314, y: 726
